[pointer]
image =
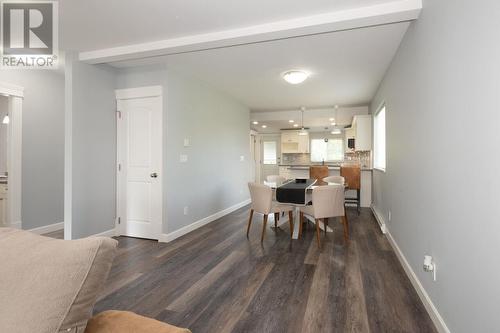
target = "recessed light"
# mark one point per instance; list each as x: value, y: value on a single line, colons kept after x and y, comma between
x: 264, y: 126
x: 332, y: 119
x: 333, y: 124
x: 336, y: 131
x: 255, y: 122
x: 291, y: 121
x: 295, y: 76
x: 295, y: 125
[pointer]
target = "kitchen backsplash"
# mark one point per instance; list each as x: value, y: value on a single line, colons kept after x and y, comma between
x: 362, y: 157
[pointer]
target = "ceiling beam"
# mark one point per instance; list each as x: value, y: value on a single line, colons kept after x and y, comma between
x: 391, y: 12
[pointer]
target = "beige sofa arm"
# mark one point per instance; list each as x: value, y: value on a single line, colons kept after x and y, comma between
x: 128, y: 322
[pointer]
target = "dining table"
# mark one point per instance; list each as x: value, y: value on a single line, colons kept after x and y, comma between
x: 296, y: 193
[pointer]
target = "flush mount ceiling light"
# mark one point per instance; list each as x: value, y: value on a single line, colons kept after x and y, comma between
x: 291, y: 121
x: 295, y: 125
x: 336, y: 131
x: 295, y: 76
x: 255, y: 122
x: 264, y: 126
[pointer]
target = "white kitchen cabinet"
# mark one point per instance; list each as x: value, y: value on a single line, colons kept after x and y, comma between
x: 293, y: 143
x: 362, y: 127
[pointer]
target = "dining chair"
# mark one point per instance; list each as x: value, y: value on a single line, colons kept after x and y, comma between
x: 276, y: 179
x: 352, y: 175
x: 327, y: 202
x: 335, y: 179
x: 318, y: 172
x: 262, y: 202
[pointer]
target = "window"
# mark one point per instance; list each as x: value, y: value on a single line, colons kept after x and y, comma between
x: 379, y: 136
x: 328, y: 151
x: 270, y: 153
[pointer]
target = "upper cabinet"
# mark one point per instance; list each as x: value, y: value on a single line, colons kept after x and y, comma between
x: 292, y: 142
x: 362, y: 129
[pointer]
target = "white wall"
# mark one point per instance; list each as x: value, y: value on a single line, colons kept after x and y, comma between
x: 218, y: 128
x: 442, y: 181
x: 43, y: 144
x: 91, y: 154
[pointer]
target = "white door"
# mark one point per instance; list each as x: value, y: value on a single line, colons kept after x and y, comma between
x: 271, y: 156
x: 140, y: 167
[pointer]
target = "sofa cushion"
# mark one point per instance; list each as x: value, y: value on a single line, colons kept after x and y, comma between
x: 128, y: 322
x: 49, y: 285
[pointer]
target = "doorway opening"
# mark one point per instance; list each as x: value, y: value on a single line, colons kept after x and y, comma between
x: 11, y: 98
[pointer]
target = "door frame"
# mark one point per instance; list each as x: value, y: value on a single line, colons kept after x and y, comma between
x: 15, y: 95
x: 127, y: 94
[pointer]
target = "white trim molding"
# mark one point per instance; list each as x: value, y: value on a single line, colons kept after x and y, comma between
x: 380, y: 219
x: 386, y: 13
x: 48, y: 228
x: 422, y: 293
x: 107, y: 233
x: 166, y: 238
x: 140, y: 92
x: 11, y: 90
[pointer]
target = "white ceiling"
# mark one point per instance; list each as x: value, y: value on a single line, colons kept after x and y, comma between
x: 95, y: 24
x: 346, y: 66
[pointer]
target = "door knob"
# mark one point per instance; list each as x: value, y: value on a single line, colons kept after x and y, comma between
x: 154, y: 175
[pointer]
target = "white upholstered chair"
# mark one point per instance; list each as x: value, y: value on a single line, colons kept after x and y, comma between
x: 262, y: 202
x: 335, y: 179
x: 327, y: 201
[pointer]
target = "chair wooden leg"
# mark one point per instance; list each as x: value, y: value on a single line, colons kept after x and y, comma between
x: 264, y: 224
x: 318, y: 233
x: 249, y: 221
x: 301, y: 223
x: 325, y: 224
x: 290, y: 219
x: 276, y: 219
x: 346, y: 228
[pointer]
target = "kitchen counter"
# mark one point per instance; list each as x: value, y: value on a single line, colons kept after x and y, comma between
x: 306, y: 167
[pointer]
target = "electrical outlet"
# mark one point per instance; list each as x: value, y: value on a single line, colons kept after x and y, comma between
x: 186, y: 142
x: 242, y: 158
x: 186, y: 210
x: 183, y: 158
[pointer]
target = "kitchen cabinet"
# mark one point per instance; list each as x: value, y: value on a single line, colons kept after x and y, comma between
x: 362, y: 128
x: 293, y: 143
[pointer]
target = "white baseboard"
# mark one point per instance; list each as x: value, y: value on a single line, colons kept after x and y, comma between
x: 165, y: 238
x: 424, y: 297
x: 107, y: 233
x: 48, y: 228
x: 380, y: 219
x: 15, y: 225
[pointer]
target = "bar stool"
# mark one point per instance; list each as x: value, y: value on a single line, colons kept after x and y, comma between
x: 352, y: 175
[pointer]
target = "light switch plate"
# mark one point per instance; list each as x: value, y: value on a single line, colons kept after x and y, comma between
x: 186, y: 142
x: 183, y: 158
x: 242, y: 158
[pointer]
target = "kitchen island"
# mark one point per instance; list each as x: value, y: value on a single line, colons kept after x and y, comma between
x: 302, y: 171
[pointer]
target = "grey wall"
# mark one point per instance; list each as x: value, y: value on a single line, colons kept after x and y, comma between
x: 93, y: 150
x: 43, y: 144
x: 442, y: 183
x: 218, y: 128
x: 4, y: 110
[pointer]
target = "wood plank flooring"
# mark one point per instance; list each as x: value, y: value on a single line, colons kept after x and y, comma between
x: 216, y: 280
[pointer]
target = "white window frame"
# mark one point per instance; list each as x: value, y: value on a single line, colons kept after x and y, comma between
x: 333, y: 138
x: 375, y: 135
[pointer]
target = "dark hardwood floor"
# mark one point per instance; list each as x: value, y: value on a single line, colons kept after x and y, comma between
x: 216, y: 280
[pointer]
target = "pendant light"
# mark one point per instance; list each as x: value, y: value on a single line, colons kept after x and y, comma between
x: 335, y: 129
x: 6, y: 119
x: 302, y: 130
